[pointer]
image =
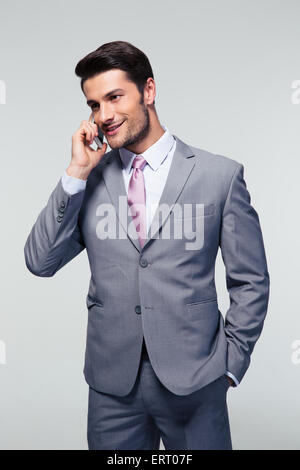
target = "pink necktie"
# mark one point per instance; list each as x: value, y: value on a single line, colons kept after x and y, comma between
x: 137, y: 197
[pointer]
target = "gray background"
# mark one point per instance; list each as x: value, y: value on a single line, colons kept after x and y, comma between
x: 224, y: 74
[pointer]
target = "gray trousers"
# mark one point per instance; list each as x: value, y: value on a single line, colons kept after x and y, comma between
x: 150, y: 411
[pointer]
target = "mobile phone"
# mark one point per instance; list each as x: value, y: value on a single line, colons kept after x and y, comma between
x: 98, y: 139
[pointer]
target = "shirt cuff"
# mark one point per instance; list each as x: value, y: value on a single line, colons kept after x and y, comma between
x: 233, y: 378
x: 71, y: 184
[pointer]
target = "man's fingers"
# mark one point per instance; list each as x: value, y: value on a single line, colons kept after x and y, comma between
x: 89, y: 130
x: 94, y: 126
x: 92, y: 130
x: 91, y: 121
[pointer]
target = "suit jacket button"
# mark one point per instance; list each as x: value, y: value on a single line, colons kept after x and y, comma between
x: 62, y: 204
x: 59, y: 218
x: 138, y: 309
x: 143, y: 263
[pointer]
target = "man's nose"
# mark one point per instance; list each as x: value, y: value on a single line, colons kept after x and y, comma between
x: 106, y: 116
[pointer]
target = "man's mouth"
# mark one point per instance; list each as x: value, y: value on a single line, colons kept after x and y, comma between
x: 112, y: 130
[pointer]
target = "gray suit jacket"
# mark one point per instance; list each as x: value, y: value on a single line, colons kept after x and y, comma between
x: 166, y: 290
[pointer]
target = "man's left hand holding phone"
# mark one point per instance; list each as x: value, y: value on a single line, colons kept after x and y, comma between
x: 84, y: 158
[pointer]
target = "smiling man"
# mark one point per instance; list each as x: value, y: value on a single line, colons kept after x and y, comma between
x: 159, y: 357
x: 123, y: 108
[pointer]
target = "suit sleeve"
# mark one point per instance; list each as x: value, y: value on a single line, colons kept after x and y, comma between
x: 55, y: 238
x: 247, y: 276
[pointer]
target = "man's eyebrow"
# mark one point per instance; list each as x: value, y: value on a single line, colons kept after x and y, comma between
x: 106, y: 96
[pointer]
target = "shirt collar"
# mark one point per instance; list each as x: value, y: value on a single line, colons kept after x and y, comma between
x: 154, y: 155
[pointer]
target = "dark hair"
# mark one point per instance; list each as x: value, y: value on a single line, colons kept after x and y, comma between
x: 116, y: 55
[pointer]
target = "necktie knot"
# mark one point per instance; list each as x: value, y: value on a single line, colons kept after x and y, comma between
x: 139, y: 162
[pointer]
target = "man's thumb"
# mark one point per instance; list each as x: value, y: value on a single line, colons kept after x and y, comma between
x: 101, y: 152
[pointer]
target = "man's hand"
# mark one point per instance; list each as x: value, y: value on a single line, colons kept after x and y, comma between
x: 231, y: 382
x: 84, y: 158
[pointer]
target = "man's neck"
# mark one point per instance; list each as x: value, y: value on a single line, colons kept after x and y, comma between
x: 151, y: 138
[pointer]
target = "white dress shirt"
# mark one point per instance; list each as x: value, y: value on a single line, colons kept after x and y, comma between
x: 159, y: 158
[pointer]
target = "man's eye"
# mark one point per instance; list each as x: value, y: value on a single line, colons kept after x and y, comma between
x: 96, y: 104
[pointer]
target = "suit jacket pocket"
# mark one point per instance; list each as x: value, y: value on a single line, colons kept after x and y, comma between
x: 90, y: 301
x: 180, y: 214
x: 204, y: 310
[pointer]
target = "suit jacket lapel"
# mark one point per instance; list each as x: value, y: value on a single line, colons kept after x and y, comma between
x: 179, y: 171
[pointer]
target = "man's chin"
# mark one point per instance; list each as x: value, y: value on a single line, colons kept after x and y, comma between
x: 114, y: 145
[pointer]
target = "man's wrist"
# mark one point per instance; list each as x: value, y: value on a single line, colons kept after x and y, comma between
x: 78, y: 172
x: 235, y: 381
x: 231, y: 381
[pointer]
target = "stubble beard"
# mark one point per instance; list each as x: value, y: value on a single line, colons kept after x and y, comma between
x: 138, y: 134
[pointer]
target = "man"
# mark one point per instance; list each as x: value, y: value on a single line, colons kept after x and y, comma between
x: 159, y: 357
